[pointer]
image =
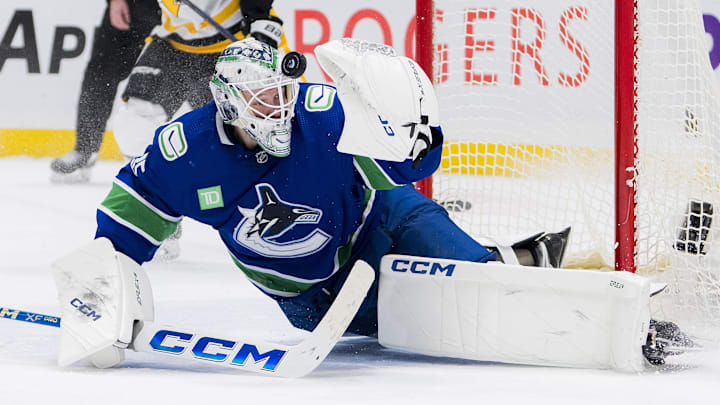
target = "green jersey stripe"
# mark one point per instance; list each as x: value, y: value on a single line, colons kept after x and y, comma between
x: 271, y: 291
x: 138, y: 197
x: 145, y: 220
x: 130, y: 226
x: 373, y: 174
x: 274, y: 283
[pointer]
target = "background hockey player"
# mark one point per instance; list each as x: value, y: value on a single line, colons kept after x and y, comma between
x: 262, y: 165
x: 176, y: 64
x: 117, y: 44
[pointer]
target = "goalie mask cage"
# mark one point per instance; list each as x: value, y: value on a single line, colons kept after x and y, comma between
x: 599, y: 114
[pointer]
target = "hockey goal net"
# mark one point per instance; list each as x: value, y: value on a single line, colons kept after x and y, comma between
x: 598, y: 114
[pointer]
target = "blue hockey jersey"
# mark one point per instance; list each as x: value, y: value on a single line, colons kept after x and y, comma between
x: 288, y: 222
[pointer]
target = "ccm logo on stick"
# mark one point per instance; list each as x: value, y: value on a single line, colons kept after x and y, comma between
x: 213, y: 349
x: 419, y: 267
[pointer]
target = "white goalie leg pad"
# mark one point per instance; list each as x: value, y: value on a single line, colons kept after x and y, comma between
x: 134, y: 123
x: 103, y: 294
x: 513, y: 314
x: 384, y: 96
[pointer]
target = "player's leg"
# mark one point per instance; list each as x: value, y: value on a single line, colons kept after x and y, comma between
x: 113, y: 55
x: 150, y: 99
x: 421, y: 227
x: 416, y: 293
x: 202, y: 66
x: 409, y: 223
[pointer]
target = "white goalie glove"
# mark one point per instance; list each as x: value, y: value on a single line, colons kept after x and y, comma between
x: 389, y: 102
x: 103, y: 296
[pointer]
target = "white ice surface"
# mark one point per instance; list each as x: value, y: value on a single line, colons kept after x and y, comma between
x: 40, y: 221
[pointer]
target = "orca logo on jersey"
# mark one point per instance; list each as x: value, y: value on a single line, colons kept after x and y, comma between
x: 263, y: 226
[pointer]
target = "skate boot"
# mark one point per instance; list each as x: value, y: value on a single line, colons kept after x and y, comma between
x: 547, y: 249
x: 73, y: 167
x: 665, y: 339
x: 170, y: 248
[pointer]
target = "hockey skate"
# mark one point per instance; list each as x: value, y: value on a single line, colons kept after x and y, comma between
x: 170, y: 248
x: 548, y: 249
x: 665, y: 339
x: 73, y: 167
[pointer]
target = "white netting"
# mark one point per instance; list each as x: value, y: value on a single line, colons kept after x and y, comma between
x: 678, y: 127
x: 526, y: 91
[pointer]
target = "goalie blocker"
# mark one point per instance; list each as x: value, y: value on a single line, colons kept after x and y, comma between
x: 513, y: 314
x: 104, y: 295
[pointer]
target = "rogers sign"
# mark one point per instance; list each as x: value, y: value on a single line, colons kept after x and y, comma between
x: 307, y: 28
x: 309, y: 23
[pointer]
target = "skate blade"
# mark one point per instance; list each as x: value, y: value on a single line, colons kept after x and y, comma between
x: 671, y: 346
x: 77, y: 177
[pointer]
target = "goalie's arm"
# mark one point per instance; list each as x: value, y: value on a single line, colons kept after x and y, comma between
x: 381, y: 174
x: 133, y: 215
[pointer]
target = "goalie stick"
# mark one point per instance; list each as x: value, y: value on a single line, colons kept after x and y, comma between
x: 260, y: 356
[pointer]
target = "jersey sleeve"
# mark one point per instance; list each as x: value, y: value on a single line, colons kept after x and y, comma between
x: 383, y: 175
x: 134, y: 215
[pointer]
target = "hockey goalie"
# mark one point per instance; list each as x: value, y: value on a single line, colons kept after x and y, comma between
x: 302, y: 181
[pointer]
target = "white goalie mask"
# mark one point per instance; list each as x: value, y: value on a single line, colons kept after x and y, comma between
x: 252, y: 92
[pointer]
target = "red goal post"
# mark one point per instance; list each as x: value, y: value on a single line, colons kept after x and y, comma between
x: 627, y: 152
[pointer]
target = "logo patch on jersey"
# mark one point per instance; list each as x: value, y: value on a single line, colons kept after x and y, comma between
x: 138, y: 164
x: 273, y: 217
x: 319, y: 98
x: 210, y: 198
x: 172, y: 141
